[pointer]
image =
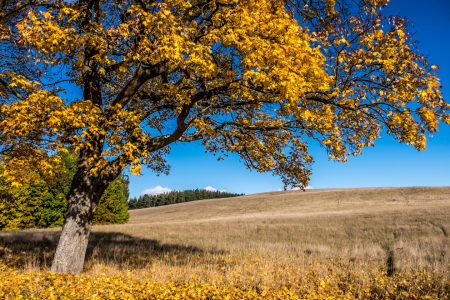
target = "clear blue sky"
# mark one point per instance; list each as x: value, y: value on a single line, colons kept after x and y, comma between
x: 387, y: 164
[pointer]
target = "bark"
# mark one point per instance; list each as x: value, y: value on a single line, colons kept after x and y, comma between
x: 82, y: 200
x: 71, y: 250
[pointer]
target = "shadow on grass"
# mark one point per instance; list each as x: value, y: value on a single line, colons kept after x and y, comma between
x: 34, y: 250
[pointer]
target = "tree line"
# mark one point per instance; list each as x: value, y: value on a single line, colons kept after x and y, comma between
x: 173, y: 197
x: 43, y: 203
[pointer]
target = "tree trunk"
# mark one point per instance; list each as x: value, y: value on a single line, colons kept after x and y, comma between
x: 82, y: 200
x: 85, y: 191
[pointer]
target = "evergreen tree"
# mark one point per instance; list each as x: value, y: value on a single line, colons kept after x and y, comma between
x: 154, y: 201
x: 113, y: 208
x: 146, y: 201
x: 198, y: 194
x: 139, y: 203
x: 43, y: 203
x: 132, y: 204
x: 161, y: 200
x: 182, y: 197
x: 174, y: 197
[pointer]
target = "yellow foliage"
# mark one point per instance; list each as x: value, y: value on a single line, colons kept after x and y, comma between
x: 242, y: 76
x: 304, y: 284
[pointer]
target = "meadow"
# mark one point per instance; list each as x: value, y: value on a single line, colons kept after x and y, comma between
x: 371, y: 243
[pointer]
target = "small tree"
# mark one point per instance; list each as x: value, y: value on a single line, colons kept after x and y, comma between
x: 132, y: 204
x: 240, y: 76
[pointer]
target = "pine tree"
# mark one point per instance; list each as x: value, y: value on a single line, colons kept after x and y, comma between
x: 113, y: 208
x: 172, y: 198
x: 14, y: 213
x: 182, y: 197
x: 43, y: 204
x: 146, y: 201
x: 139, y: 203
x: 161, y: 200
x: 121, y: 214
x: 153, y: 201
x: 132, y: 204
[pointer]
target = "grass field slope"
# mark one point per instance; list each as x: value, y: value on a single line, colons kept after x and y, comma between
x: 367, y: 243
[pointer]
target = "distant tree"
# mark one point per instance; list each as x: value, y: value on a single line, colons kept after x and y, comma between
x: 171, y: 198
x: 198, y: 194
x: 132, y: 203
x: 174, y: 197
x: 153, y: 201
x: 139, y: 202
x: 146, y: 201
x: 161, y: 200
x: 182, y: 198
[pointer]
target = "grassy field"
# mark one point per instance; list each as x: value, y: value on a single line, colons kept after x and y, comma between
x: 372, y: 243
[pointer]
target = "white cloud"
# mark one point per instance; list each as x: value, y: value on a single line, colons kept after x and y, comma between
x: 210, y: 188
x: 297, y: 188
x: 156, y: 191
x: 280, y: 189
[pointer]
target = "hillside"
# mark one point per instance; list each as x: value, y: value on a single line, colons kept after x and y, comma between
x: 348, y: 237
x: 330, y: 222
x: 413, y: 223
x: 298, y: 204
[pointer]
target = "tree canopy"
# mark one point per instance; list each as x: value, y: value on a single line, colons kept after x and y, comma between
x: 258, y: 78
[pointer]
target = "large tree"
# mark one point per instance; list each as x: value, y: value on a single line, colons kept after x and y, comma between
x: 253, y: 77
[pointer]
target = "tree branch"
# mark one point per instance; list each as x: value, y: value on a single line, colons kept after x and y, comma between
x: 5, y: 84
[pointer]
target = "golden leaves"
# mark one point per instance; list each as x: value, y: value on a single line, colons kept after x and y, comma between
x: 228, y: 276
x: 235, y: 61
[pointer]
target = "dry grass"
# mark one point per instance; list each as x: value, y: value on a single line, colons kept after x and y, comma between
x: 277, y: 240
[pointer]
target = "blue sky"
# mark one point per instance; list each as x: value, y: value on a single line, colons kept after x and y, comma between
x: 387, y: 164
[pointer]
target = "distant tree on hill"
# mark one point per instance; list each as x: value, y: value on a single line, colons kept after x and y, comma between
x: 182, y: 197
x: 174, y: 197
x: 132, y: 203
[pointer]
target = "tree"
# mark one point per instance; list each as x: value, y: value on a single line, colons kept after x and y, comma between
x: 133, y: 203
x: 146, y: 201
x: 113, y: 206
x: 41, y: 204
x: 242, y: 77
x: 182, y: 198
x: 161, y: 200
x: 20, y: 208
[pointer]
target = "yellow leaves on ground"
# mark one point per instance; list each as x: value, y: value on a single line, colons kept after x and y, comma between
x: 302, y: 285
